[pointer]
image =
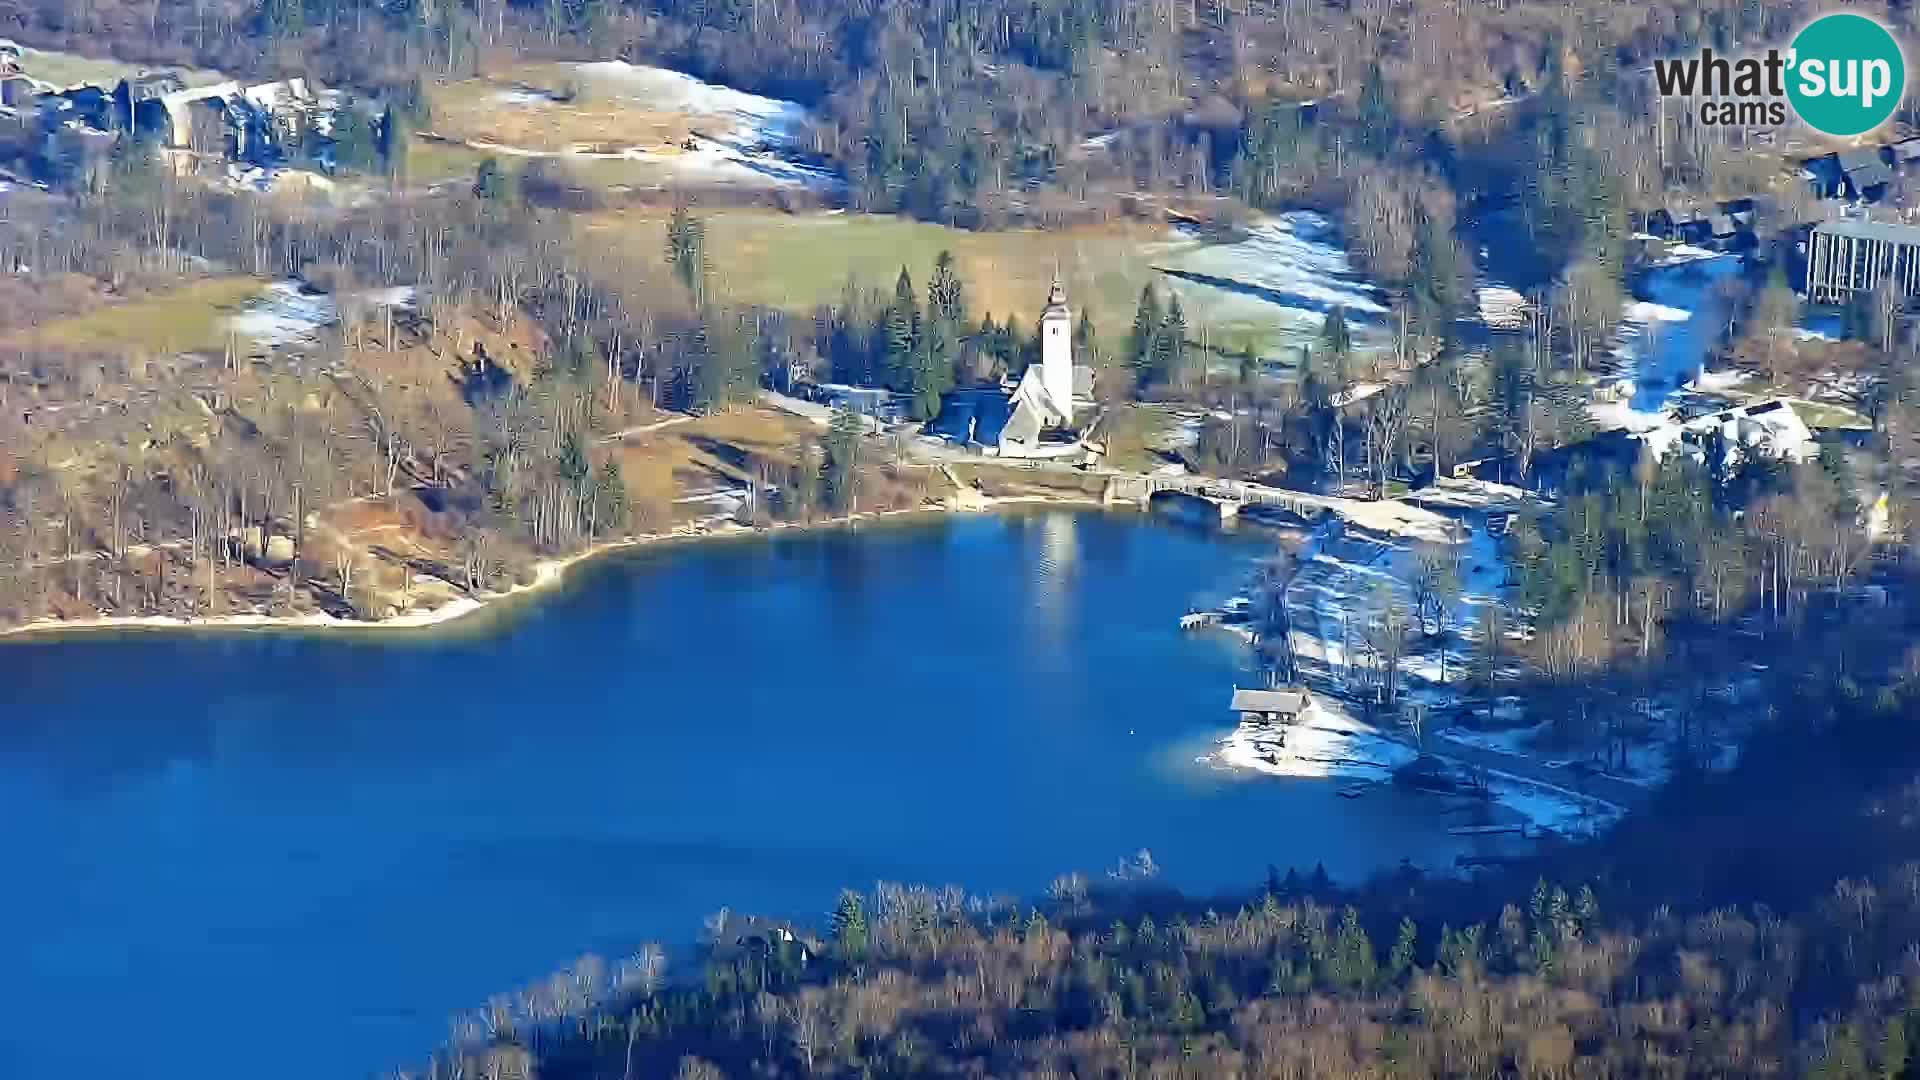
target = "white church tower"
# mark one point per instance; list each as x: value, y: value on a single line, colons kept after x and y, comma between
x: 1056, y: 350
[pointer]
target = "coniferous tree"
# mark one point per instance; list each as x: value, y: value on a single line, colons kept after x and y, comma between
x: 1086, y: 343
x: 1402, y: 958
x: 687, y: 252
x: 932, y: 369
x: 843, y: 459
x: 493, y: 183
x: 356, y: 143
x: 610, y: 498
x: 1439, y: 276
x: 1170, y: 360
x: 396, y: 135
x: 1335, y: 335
x: 901, y: 320
x: 850, y: 926
x: 1378, y: 123
x: 1141, y: 343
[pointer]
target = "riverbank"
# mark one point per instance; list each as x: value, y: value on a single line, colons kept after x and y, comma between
x: 547, y: 573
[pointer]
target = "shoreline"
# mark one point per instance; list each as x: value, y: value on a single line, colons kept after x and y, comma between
x: 547, y: 573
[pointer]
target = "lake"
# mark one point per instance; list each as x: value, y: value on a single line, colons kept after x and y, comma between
x: 224, y: 844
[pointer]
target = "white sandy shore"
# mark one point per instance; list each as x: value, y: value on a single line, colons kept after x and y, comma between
x: 547, y: 573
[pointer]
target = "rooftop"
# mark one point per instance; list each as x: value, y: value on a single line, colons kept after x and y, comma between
x: 1288, y: 700
x: 1855, y: 159
x: 1872, y: 230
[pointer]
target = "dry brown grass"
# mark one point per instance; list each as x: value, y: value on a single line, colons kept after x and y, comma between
x: 548, y: 107
x: 184, y: 319
x: 714, y: 451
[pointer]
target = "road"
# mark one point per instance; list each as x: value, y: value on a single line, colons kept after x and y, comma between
x: 1620, y: 792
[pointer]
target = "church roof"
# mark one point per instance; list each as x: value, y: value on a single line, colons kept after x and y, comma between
x: 1033, y: 391
x: 1024, y: 425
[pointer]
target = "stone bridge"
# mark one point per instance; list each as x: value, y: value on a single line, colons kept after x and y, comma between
x: 1387, y: 517
x: 1226, y: 496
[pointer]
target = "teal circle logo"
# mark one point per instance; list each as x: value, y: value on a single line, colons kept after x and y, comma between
x: 1845, y: 74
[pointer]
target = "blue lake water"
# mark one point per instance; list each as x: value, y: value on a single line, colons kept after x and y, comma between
x: 221, y: 845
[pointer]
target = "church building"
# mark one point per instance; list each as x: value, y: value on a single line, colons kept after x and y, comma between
x: 1036, y: 418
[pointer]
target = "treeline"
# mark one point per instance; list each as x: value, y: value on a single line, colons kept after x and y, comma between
x: 979, y: 113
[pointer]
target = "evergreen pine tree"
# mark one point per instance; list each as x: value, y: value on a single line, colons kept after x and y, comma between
x: 898, y: 334
x: 1378, y: 123
x: 843, y: 459
x: 493, y: 183
x: 1586, y: 908
x: 356, y: 145
x: 1439, y: 276
x: 1400, y: 961
x: 1171, y: 345
x: 610, y: 498
x: 1146, y: 332
x: 396, y: 134
x: 933, y: 369
x: 687, y: 252
x: 1086, y: 343
x: 850, y: 926
x: 1353, y: 963
x: 1335, y: 335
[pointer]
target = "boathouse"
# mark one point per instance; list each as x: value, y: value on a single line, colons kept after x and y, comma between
x: 1848, y: 257
x: 1282, y: 705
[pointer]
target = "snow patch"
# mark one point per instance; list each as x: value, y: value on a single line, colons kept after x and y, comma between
x: 742, y: 138
x: 1286, y: 273
x: 289, y: 314
x: 755, y: 118
x: 1323, y: 743
x: 1502, y: 307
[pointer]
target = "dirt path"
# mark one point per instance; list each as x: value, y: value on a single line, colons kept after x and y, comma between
x: 645, y: 429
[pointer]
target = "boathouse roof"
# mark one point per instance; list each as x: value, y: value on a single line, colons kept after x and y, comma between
x: 1286, y: 700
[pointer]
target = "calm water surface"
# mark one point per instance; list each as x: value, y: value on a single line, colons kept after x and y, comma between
x: 218, y: 843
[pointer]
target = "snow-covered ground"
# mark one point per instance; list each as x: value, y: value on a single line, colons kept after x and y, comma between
x: 1664, y: 338
x: 1344, y: 578
x: 1551, y: 807
x: 1325, y: 743
x: 1281, y: 278
x: 756, y: 118
x: 289, y: 314
x: 742, y: 137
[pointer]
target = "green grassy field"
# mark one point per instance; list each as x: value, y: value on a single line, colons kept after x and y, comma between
x: 799, y: 261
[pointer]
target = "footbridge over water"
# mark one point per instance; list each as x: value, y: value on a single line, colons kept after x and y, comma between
x: 1228, y: 497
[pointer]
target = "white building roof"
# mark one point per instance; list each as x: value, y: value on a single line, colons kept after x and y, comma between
x: 1771, y: 428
